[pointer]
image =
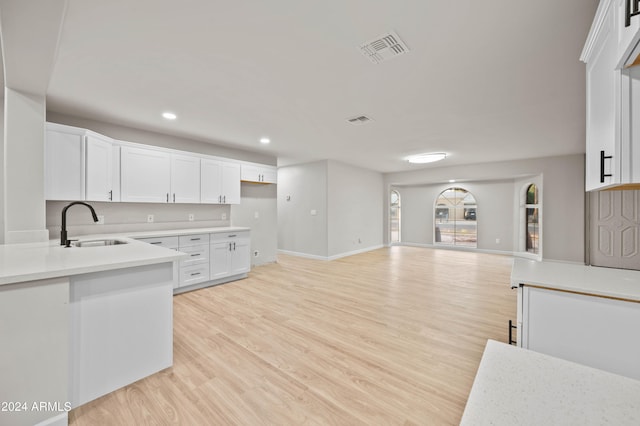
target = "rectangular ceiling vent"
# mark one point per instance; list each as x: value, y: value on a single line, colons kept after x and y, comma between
x: 359, y: 120
x: 383, y: 47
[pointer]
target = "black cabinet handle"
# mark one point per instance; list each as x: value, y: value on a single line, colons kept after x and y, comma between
x: 195, y: 239
x: 602, y: 173
x: 511, y: 327
x: 231, y: 236
x: 111, y: 195
x: 195, y: 273
x: 156, y: 242
x: 195, y: 255
x: 174, y: 197
x: 167, y: 197
x: 630, y: 13
x: 234, y: 246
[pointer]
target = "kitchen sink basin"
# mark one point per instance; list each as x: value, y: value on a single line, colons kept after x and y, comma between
x: 98, y: 243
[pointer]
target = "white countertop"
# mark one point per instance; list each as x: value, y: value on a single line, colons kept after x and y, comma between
x: 618, y: 283
x: 36, y: 261
x: 515, y: 386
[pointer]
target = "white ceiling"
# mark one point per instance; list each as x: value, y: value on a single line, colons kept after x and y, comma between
x: 483, y: 80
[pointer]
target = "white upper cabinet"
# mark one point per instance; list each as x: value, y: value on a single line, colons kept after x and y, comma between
x: 259, y: 173
x: 185, y: 179
x: 102, y: 182
x: 64, y: 162
x: 220, y: 182
x: 145, y: 175
x: 612, y: 94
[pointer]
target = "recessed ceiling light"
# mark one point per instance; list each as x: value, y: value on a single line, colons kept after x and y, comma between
x: 429, y: 157
x: 265, y: 140
x: 169, y: 115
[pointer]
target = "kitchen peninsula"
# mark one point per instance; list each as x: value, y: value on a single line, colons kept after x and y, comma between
x: 76, y: 323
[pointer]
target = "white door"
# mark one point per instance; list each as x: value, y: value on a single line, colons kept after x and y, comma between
x: 241, y: 257
x: 185, y: 179
x: 230, y: 182
x: 615, y: 229
x: 99, y: 169
x: 603, y: 93
x: 145, y: 175
x: 64, y: 163
x: 210, y: 182
x: 220, y: 259
x: 269, y: 175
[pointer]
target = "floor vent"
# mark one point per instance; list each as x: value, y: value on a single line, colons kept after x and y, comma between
x: 359, y: 120
x: 384, y: 47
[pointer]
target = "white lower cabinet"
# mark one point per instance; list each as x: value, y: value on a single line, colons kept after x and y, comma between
x: 195, y: 268
x: 230, y: 254
x: 591, y: 330
x: 211, y: 257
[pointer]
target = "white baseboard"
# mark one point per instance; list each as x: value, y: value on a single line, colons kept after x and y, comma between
x: 300, y: 254
x: 351, y: 253
x: 329, y: 258
x: 61, y: 419
x: 457, y: 248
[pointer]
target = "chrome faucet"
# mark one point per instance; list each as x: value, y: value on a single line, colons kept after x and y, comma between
x: 63, y: 231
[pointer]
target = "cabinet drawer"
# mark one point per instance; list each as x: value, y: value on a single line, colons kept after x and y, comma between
x: 193, y: 240
x: 168, y: 242
x: 197, y: 254
x: 229, y: 235
x: 194, y: 274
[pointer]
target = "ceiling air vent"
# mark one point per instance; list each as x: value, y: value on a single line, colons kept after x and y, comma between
x: 383, y: 47
x: 361, y: 119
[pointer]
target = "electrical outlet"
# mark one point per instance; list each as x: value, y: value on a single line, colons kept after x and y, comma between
x: 314, y: 212
x: 100, y: 219
x: 256, y: 253
x: 224, y: 216
x: 149, y: 218
x: 256, y: 215
x: 497, y: 240
x: 191, y: 217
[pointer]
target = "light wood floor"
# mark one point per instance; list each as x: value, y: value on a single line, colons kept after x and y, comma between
x: 392, y: 336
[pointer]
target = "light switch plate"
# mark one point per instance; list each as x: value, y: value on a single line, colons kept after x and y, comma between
x: 149, y: 218
x: 191, y: 217
x: 314, y: 212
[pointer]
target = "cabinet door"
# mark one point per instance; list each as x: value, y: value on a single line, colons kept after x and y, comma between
x: 603, y: 94
x: 185, y: 179
x: 64, y: 163
x: 589, y: 330
x: 269, y: 175
x: 145, y: 175
x: 249, y: 173
x: 210, y: 182
x: 627, y: 36
x: 99, y: 169
x: 230, y: 182
x: 241, y: 256
x: 220, y: 265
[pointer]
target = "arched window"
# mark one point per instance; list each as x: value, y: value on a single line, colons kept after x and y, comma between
x: 394, y: 217
x: 456, y: 218
x: 532, y: 220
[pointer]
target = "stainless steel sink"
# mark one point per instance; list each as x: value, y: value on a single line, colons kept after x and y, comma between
x: 98, y: 243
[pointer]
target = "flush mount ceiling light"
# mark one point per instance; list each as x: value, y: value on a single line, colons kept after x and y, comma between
x: 265, y: 140
x: 169, y: 116
x: 429, y: 157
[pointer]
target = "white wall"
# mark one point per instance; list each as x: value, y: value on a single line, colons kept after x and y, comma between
x: 562, y: 199
x: 23, y: 167
x: 258, y: 213
x: 348, y: 202
x: 298, y: 230
x: 2, y: 167
x: 355, y: 208
x: 123, y: 217
x: 494, y: 212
